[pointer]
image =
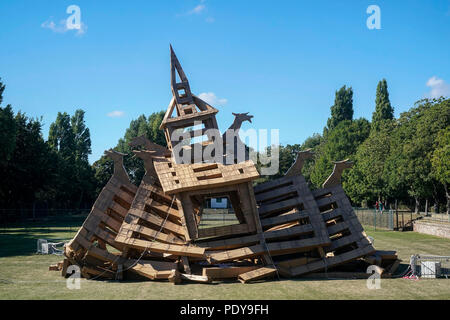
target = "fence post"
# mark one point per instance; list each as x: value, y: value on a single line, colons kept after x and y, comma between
x: 375, y: 219
x: 391, y: 219
x: 410, y: 220
x: 396, y: 213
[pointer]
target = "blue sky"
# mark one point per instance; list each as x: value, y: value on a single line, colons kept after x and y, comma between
x: 282, y: 61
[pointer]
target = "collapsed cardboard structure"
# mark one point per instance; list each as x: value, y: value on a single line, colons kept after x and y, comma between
x: 283, y: 228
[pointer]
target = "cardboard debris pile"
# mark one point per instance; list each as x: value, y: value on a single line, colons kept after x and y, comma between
x: 282, y: 229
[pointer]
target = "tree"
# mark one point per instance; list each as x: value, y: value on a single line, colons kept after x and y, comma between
x: 134, y: 165
x: 383, y: 109
x: 61, y: 137
x: 61, y: 140
x: 342, y: 108
x: 84, y: 173
x: 408, y: 167
x: 70, y: 139
x: 314, y: 142
x: 28, y: 173
x: 2, y: 88
x: 365, y: 181
x: 7, y: 130
x: 8, y: 133
x: 56, y: 171
x: 82, y: 136
x: 287, y: 157
x: 25, y: 159
x: 155, y: 134
x: 341, y: 143
x: 440, y: 162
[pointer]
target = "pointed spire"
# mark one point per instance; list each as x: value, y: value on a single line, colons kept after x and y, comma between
x: 180, y: 90
x: 176, y: 66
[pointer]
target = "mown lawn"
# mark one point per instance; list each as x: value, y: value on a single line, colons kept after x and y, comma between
x: 25, y: 275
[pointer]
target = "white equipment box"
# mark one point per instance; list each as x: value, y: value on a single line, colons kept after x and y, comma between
x: 430, y: 269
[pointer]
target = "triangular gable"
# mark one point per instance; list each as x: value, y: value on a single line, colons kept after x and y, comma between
x: 203, y: 107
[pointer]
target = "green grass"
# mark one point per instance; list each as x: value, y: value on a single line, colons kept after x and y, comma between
x: 25, y: 275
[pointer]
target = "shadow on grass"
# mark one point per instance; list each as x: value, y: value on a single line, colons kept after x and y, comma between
x: 25, y: 243
x: 20, y: 239
x: 400, y: 272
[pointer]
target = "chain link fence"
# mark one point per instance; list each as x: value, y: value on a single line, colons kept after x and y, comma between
x: 426, y: 266
x: 217, y: 217
x: 401, y: 220
x: 385, y: 220
x: 376, y: 218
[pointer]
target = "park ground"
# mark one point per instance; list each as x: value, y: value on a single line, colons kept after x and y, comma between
x: 25, y: 275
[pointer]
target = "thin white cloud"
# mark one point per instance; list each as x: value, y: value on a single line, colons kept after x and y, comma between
x: 212, y: 99
x: 116, y: 114
x: 198, y: 9
x: 438, y: 87
x: 61, y: 27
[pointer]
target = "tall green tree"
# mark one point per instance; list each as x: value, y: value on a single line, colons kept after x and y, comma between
x: 2, y: 88
x: 82, y: 136
x: 85, y: 174
x: 8, y: 131
x: 383, y: 109
x: 342, y: 108
x: 70, y: 139
x: 61, y: 137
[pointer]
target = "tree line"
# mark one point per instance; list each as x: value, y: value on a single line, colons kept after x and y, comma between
x: 55, y: 173
x: 47, y: 174
x: 405, y: 159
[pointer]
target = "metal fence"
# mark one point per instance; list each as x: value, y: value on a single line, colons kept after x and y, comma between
x: 217, y: 218
x: 401, y: 220
x: 426, y: 266
x: 387, y: 220
x: 376, y: 218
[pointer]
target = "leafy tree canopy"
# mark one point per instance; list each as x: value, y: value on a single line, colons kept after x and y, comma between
x: 342, y: 108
